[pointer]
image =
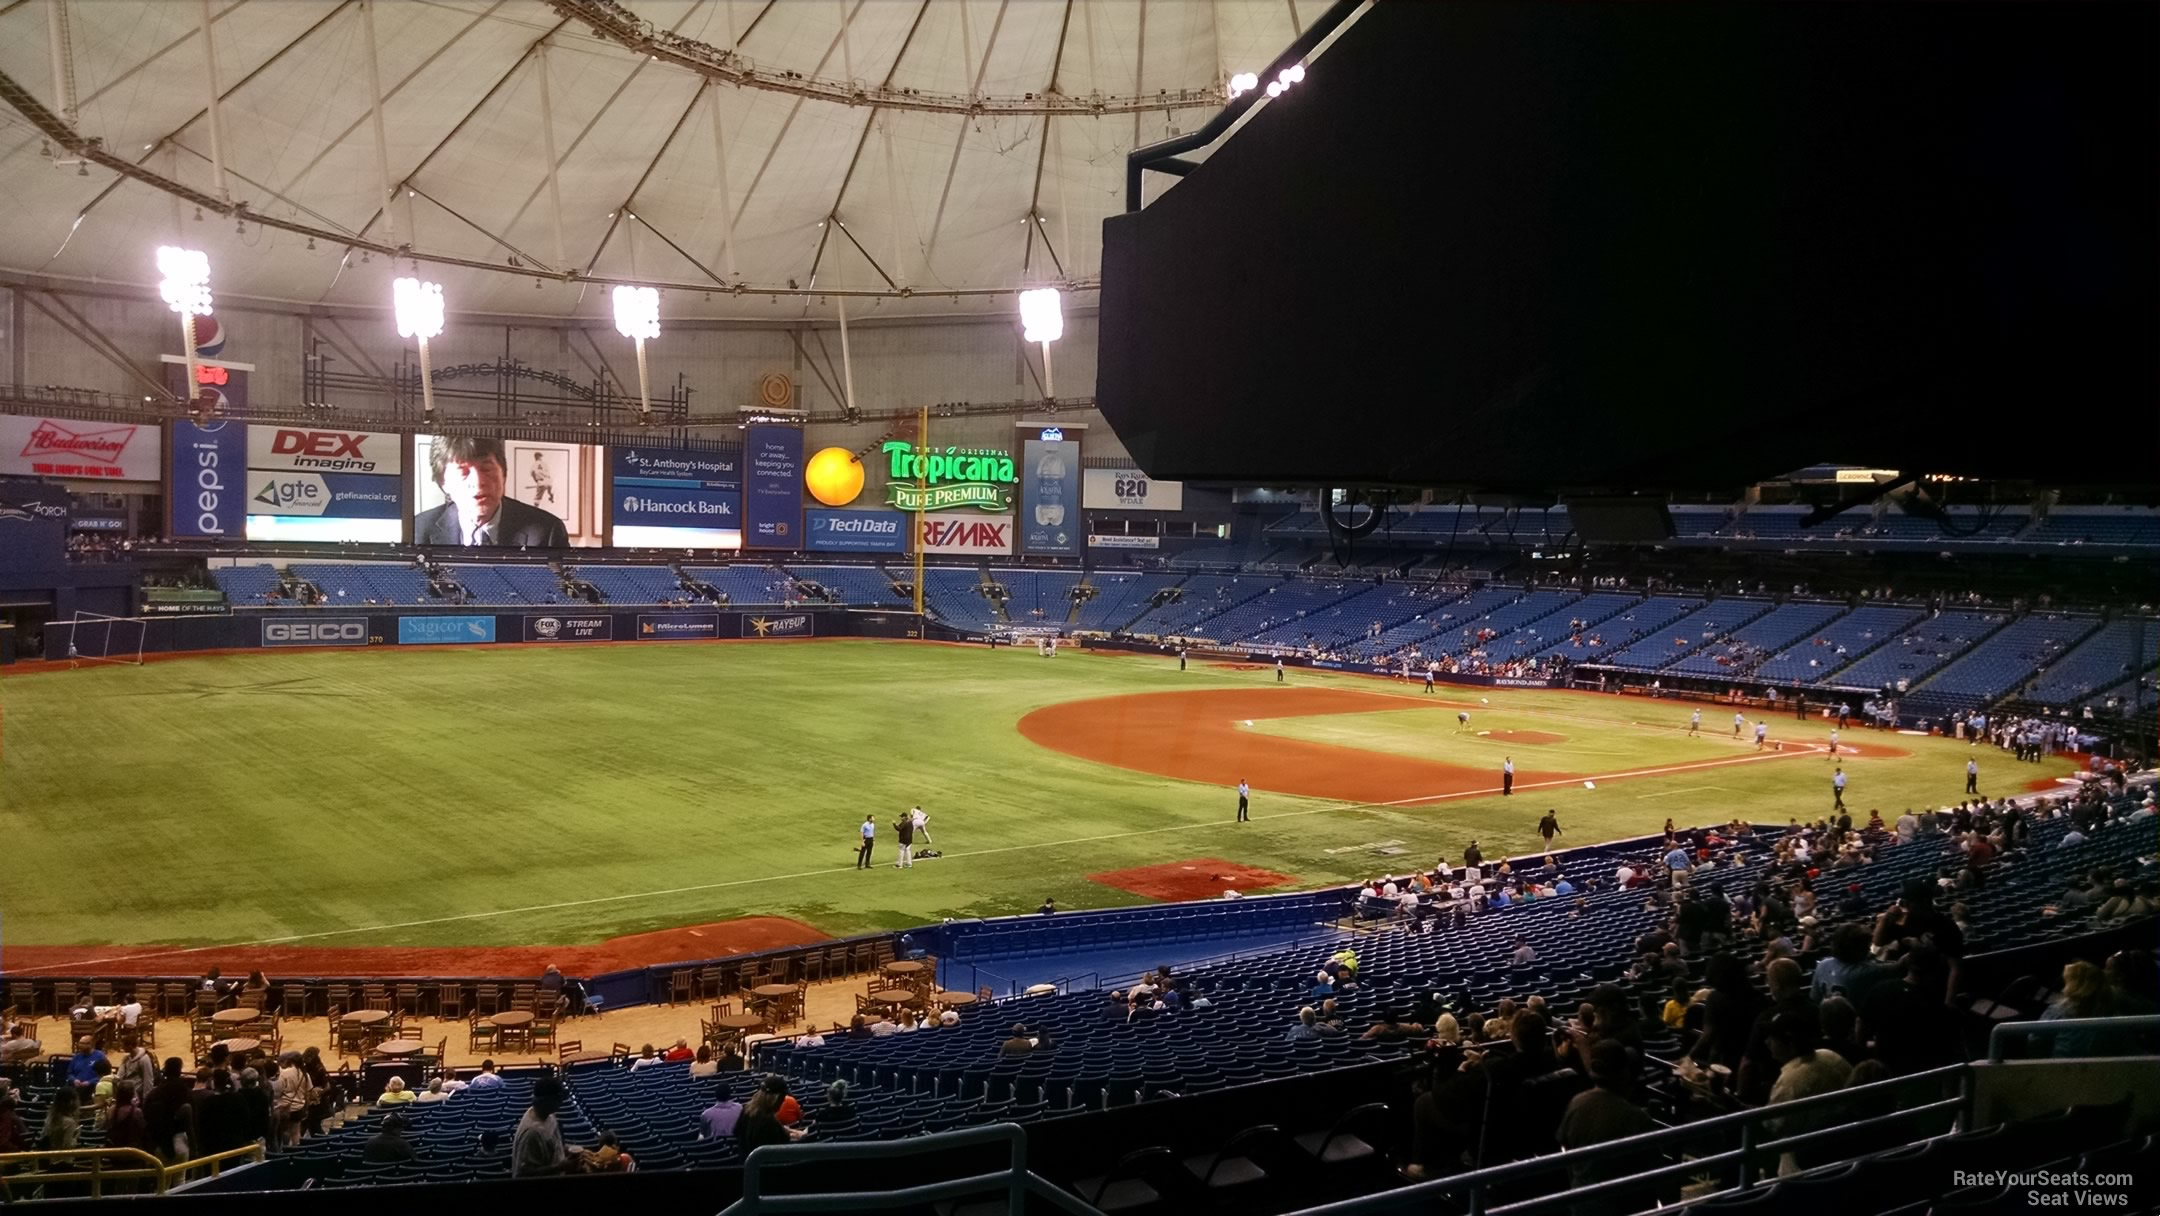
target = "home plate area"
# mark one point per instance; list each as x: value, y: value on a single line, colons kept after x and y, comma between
x: 1194, y: 878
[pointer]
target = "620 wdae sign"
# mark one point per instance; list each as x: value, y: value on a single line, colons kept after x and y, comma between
x: 1129, y: 490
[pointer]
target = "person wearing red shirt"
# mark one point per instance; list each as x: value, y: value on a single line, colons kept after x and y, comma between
x: 679, y: 1052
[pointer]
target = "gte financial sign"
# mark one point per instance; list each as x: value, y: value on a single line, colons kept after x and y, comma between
x: 301, y: 449
x: 931, y: 480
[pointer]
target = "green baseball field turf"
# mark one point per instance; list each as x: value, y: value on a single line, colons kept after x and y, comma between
x: 499, y: 796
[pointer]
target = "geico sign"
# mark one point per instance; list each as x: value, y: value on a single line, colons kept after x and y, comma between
x: 322, y: 451
x: 315, y: 633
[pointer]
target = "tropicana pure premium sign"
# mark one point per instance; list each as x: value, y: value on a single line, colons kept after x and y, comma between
x: 930, y: 480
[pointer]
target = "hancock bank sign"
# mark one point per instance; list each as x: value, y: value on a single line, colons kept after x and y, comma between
x: 931, y: 480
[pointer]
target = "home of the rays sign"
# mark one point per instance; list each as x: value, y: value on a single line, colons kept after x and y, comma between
x: 931, y: 480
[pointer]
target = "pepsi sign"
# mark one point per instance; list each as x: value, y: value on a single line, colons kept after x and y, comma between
x: 208, y: 476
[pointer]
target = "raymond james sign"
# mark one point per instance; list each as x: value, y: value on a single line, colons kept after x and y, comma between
x: 931, y: 480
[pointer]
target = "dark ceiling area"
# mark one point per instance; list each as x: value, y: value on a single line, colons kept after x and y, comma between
x: 1548, y: 247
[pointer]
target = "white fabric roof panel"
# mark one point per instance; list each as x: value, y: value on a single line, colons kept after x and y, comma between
x: 942, y: 201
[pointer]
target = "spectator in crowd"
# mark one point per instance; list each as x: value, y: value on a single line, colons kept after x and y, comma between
x: 223, y: 1118
x: 124, y: 1126
x: 704, y: 1065
x: 14, y: 1134
x: 291, y: 1096
x: 1840, y: 1026
x: 2132, y: 982
x: 138, y: 1067
x: 1848, y: 971
x: 718, y: 1120
x: 395, y: 1093
x: 2084, y: 995
x: 1019, y: 1044
x: 327, y: 1093
x: 433, y: 1092
x: 607, y: 1157
x: 1729, y: 1013
x: 1788, y: 994
x: 1805, y: 1069
x: 764, y: 1118
x: 20, y: 1047
x: 679, y: 1052
x: 63, y: 1121
x: 1307, y: 1026
x: 839, y: 1103
x: 487, y: 1077
x: 1907, y: 1021
x: 1607, y: 1017
x: 388, y: 1145
x: 1391, y: 1028
x: 82, y: 1066
x: 645, y: 1059
x: 1525, y: 954
x: 169, y: 1115
x: 1521, y: 1117
x: 1601, y: 1113
x: 537, y: 1148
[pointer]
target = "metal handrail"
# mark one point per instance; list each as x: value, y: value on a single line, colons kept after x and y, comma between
x: 1999, y: 1037
x: 1424, y: 1196
x: 141, y: 1166
x: 112, y: 1165
x: 253, y: 1154
x: 1014, y: 1180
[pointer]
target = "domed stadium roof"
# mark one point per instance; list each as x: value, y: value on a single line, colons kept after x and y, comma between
x: 909, y: 148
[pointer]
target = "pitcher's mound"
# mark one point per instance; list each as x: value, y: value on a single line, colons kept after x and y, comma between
x: 1532, y: 737
x: 1196, y: 878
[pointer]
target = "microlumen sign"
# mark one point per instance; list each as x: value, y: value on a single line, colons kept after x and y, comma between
x: 931, y: 480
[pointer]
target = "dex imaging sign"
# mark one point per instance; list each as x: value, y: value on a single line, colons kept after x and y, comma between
x: 316, y: 631
x: 303, y: 449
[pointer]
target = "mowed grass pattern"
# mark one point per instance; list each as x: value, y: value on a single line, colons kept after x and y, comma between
x: 492, y: 796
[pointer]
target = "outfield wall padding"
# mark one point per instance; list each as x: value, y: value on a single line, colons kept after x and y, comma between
x: 330, y: 628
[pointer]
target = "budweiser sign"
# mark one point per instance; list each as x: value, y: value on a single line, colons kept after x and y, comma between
x: 51, y: 439
x: 66, y: 447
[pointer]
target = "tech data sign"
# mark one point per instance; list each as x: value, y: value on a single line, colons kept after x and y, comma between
x: 303, y: 449
x: 930, y: 480
x: 983, y: 535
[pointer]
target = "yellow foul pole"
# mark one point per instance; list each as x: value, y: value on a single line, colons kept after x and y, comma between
x: 922, y: 484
